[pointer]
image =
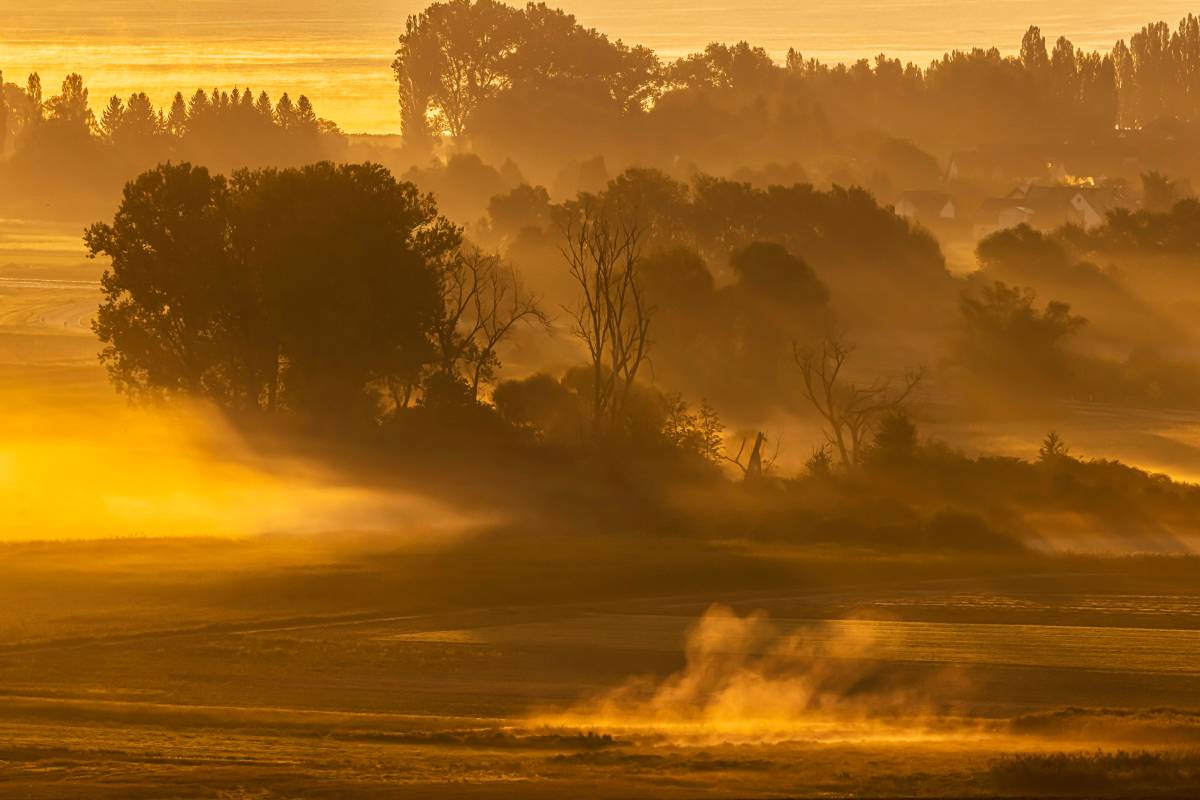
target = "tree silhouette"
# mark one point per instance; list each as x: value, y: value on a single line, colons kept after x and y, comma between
x: 3, y: 117
x: 177, y: 119
x: 274, y: 289
x: 33, y: 94
x: 851, y: 411
x: 1053, y: 448
x: 483, y: 302
x: 1159, y: 193
x: 612, y: 316
x: 70, y: 106
x: 110, y: 120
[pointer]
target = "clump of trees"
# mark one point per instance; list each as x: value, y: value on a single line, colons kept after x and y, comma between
x: 61, y: 152
x: 323, y: 291
x: 483, y: 71
x: 339, y: 295
x: 1142, y: 233
x: 1006, y: 341
x: 457, y: 57
x: 735, y: 274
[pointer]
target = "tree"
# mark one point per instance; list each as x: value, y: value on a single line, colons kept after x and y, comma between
x: 305, y: 120
x: 1150, y: 50
x: 110, y: 120
x: 451, y: 58
x: 851, y: 411
x: 70, y: 107
x: 698, y: 432
x: 770, y: 274
x: 285, y: 112
x: 1185, y: 52
x: 139, y: 126
x: 1033, y: 52
x: 895, y: 439
x: 542, y: 405
x: 198, y: 111
x: 483, y: 302
x: 820, y: 463
x: 33, y: 96
x: 263, y: 107
x: 756, y: 465
x: 169, y: 321
x: 1053, y: 448
x: 457, y: 59
x: 1005, y: 338
x: 612, y: 317
x: 177, y: 119
x: 1065, y: 71
x: 723, y: 66
x: 523, y: 208
x: 3, y: 116
x: 295, y: 289
x: 1159, y: 193
x: 416, y: 67
x: 1126, y: 87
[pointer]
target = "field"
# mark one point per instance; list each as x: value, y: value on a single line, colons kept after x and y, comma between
x: 284, y: 667
x: 183, y: 617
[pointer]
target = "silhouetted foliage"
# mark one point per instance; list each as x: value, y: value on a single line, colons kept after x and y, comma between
x: 489, y: 73
x: 852, y: 412
x: 1006, y: 340
x: 63, y: 156
x: 1053, y: 448
x: 293, y: 289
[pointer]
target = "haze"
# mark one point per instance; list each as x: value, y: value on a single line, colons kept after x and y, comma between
x: 614, y: 400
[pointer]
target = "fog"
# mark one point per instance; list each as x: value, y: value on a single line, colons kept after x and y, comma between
x: 599, y: 401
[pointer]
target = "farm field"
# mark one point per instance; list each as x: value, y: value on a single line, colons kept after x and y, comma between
x: 190, y: 680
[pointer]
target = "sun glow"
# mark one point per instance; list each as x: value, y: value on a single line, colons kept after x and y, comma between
x: 105, y: 469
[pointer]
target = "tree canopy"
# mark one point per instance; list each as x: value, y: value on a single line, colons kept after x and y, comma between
x: 295, y: 288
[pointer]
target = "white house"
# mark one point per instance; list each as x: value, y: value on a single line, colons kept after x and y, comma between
x: 926, y: 206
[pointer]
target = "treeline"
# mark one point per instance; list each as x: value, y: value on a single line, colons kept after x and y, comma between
x: 59, y: 151
x: 736, y: 274
x: 337, y: 297
x: 513, y: 80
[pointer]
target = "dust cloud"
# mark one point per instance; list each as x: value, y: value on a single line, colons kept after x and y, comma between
x: 747, y: 681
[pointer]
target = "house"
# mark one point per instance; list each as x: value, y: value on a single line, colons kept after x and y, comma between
x: 1065, y: 204
x: 1050, y: 206
x: 926, y: 207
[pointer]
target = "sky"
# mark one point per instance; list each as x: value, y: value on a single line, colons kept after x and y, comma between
x: 339, y: 53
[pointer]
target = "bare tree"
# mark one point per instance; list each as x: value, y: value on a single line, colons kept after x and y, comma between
x: 850, y: 410
x: 756, y: 464
x: 611, y: 317
x: 484, y: 300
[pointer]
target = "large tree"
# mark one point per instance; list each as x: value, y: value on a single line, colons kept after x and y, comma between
x: 296, y: 288
x: 451, y: 58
